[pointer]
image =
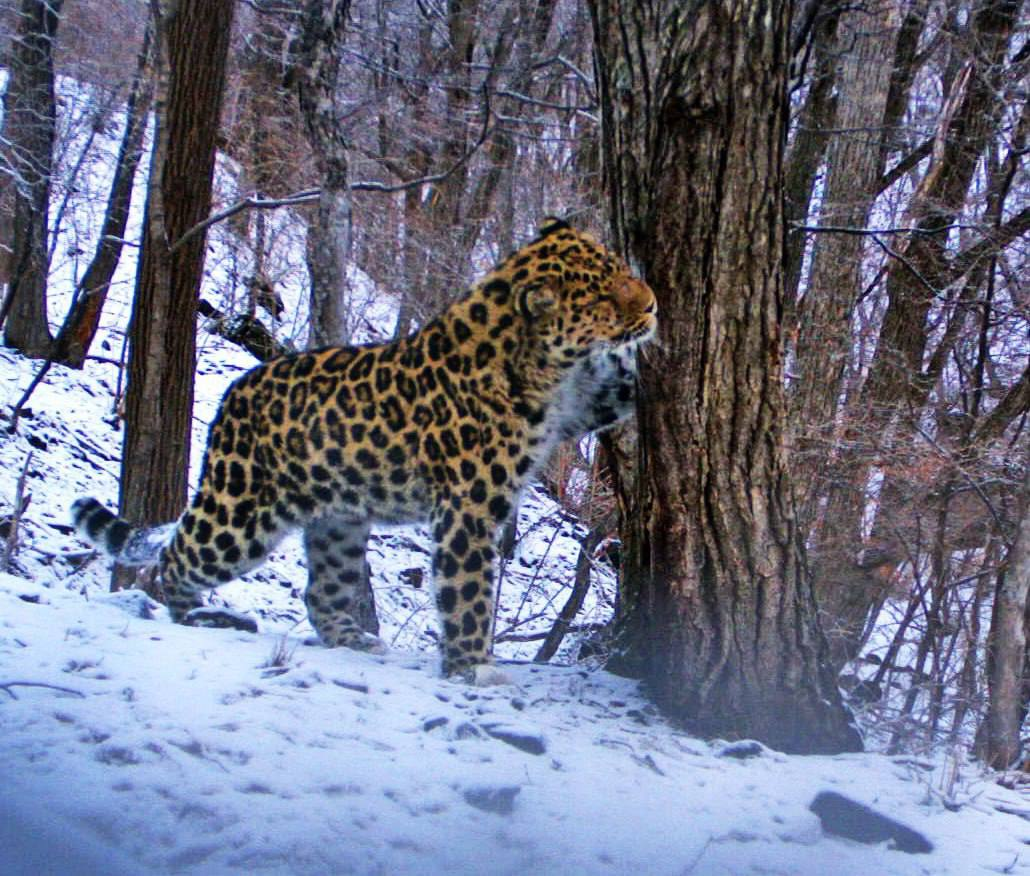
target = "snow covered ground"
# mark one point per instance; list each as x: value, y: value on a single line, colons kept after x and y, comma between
x: 129, y: 745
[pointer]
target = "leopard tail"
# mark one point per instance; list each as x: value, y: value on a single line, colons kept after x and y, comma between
x: 127, y: 544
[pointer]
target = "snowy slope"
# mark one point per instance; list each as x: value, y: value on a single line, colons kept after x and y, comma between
x: 209, y: 751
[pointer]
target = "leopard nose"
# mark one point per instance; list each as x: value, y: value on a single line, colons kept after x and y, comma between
x: 636, y: 295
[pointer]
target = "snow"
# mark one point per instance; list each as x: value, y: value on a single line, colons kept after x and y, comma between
x: 163, y: 748
x: 129, y: 744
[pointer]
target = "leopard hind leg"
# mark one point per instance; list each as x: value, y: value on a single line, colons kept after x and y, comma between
x: 339, y: 600
x: 215, y: 542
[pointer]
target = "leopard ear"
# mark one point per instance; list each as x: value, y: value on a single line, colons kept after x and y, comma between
x: 551, y: 224
x: 537, y: 300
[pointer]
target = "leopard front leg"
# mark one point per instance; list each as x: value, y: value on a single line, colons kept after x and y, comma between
x: 463, y: 572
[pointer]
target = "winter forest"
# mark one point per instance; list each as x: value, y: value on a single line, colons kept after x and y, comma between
x: 776, y: 620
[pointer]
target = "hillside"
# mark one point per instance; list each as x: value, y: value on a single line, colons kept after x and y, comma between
x: 158, y: 748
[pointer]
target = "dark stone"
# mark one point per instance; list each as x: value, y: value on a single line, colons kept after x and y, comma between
x: 841, y: 816
x: 432, y: 723
x: 500, y: 799
x: 742, y: 750
x: 524, y: 740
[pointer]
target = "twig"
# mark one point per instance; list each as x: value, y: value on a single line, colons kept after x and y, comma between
x: 934, y: 291
x: 536, y: 637
x: 12, y: 427
x: 11, y: 543
x: 872, y: 232
x: 563, y: 623
x: 7, y: 685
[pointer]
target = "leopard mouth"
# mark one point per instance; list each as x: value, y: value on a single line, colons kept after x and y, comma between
x: 639, y: 334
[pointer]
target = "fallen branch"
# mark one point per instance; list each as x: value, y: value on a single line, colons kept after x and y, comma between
x: 245, y: 331
x: 536, y: 637
x: 7, y: 685
x: 563, y: 623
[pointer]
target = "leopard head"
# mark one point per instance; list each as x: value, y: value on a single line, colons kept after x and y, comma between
x: 577, y: 297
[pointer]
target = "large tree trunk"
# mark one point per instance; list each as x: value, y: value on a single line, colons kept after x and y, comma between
x: 80, y: 327
x: 192, y: 40
x: 29, y: 130
x: 724, y: 620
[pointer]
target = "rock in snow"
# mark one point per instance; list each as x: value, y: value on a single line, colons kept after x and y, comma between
x: 499, y: 799
x: 842, y: 816
x: 525, y: 740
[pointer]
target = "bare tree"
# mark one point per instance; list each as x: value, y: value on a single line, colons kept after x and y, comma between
x: 316, y: 74
x: 80, y: 326
x: 29, y: 126
x: 823, y: 346
x: 1007, y: 648
x: 191, y: 45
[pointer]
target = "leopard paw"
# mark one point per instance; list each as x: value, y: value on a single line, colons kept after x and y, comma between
x: 219, y: 618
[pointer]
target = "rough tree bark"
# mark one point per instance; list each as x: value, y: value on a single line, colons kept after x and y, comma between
x: 29, y: 130
x: 191, y: 45
x: 722, y: 613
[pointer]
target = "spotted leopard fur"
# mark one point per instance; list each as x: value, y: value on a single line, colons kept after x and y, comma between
x: 447, y: 425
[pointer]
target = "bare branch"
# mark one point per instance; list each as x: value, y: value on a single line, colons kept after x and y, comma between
x: 311, y: 196
x: 308, y: 196
x: 904, y: 165
x: 1013, y: 404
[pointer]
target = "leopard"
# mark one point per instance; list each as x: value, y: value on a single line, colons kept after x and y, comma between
x: 446, y: 426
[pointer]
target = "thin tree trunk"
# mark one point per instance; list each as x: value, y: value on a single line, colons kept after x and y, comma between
x: 722, y: 610
x: 80, y: 327
x: 1007, y: 647
x: 330, y: 236
x: 808, y: 151
x: 191, y: 43
x: 835, y: 284
x: 30, y: 119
